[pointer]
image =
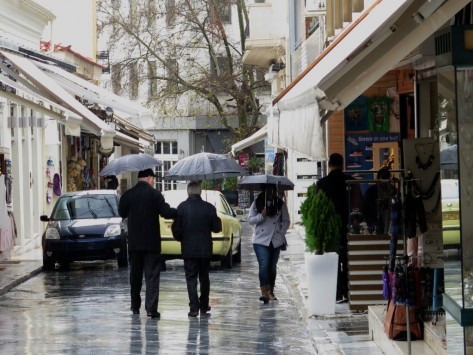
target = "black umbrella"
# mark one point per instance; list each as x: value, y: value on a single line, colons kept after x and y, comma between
x: 261, y: 182
x: 204, y: 166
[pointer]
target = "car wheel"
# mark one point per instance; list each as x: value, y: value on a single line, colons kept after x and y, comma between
x: 227, y: 260
x: 122, y: 258
x: 237, y: 256
x: 48, y: 263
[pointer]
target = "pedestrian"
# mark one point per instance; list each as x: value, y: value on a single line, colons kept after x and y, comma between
x: 111, y: 182
x: 195, y: 221
x: 335, y: 187
x: 270, y: 218
x: 142, y: 205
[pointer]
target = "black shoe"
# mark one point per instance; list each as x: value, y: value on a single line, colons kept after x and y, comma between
x: 135, y: 310
x: 342, y: 300
x: 193, y: 313
x: 205, y: 310
x: 154, y: 315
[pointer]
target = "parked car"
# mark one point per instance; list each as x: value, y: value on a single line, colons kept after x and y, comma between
x: 85, y: 225
x: 241, y: 214
x: 450, y: 213
x: 226, y: 244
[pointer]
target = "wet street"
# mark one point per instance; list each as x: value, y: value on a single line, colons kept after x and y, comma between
x: 86, y: 310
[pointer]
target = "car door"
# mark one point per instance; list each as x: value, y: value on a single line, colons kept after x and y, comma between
x: 234, y: 224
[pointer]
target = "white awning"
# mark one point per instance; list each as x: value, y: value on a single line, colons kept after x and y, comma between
x: 256, y: 137
x: 41, y: 81
x: 295, y: 124
x: 405, y: 32
x: 367, y: 49
x: 93, y: 93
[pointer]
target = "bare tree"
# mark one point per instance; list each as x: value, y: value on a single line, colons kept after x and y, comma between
x: 190, y: 54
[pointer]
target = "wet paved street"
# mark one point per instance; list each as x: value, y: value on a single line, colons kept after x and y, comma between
x: 85, y: 310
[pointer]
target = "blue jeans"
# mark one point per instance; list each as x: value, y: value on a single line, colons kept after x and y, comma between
x: 268, y: 257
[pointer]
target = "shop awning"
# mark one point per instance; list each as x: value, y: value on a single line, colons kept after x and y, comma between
x: 95, y: 94
x: 256, y: 137
x: 21, y: 85
x: 367, y: 49
x: 51, y: 89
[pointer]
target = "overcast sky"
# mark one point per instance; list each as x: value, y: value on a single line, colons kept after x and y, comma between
x: 73, y: 25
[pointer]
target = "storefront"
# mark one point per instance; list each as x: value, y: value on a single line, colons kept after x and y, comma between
x: 51, y: 142
x: 349, y: 90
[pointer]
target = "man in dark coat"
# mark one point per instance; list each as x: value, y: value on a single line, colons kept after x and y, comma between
x: 143, y: 205
x: 335, y: 187
x: 195, y: 221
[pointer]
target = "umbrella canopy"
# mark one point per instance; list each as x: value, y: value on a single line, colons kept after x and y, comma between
x: 261, y: 182
x: 205, y: 166
x: 130, y: 162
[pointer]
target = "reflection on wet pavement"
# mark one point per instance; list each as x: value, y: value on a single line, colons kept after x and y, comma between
x: 85, y: 310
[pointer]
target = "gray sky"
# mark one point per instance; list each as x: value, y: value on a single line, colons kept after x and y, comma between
x: 73, y: 25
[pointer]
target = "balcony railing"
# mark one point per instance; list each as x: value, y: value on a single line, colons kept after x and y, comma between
x: 306, y: 52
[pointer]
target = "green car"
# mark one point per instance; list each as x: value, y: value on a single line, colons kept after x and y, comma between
x: 450, y: 213
x: 226, y: 244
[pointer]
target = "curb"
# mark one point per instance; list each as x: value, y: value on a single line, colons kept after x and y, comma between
x: 20, y: 279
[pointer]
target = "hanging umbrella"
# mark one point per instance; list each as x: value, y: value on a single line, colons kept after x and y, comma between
x: 130, y: 162
x: 260, y: 182
x: 204, y: 166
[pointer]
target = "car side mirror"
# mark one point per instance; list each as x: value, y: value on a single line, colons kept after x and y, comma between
x: 44, y: 218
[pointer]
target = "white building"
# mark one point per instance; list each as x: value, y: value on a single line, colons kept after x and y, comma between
x: 50, y: 142
x: 187, y: 124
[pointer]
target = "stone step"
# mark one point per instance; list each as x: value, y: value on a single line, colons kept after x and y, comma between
x: 376, y: 315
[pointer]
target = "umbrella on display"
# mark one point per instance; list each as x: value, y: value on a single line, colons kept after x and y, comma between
x: 130, y: 162
x: 261, y: 182
x: 204, y: 166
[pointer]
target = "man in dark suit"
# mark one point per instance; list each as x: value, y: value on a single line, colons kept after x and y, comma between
x: 335, y: 187
x: 195, y: 221
x: 142, y: 205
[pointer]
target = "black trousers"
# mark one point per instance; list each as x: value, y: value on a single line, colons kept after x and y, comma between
x: 148, y: 263
x: 197, y: 267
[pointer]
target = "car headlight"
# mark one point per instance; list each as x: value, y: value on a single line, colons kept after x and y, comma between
x: 52, y: 233
x: 112, y: 231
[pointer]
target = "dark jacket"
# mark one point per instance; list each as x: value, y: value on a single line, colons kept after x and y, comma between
x: 335, y: 187
x: 142, y: 205
x: 195, y: 221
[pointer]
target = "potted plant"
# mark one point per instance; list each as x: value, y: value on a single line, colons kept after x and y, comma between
x: 322, y: 227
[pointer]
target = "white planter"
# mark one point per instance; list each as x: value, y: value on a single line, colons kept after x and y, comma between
x: 322, y: 282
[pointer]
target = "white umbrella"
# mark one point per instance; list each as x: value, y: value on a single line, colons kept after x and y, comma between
x: 130, y: 162
x: 204, y: 166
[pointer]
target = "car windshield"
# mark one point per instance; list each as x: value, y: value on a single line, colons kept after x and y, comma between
x: 85, y: 207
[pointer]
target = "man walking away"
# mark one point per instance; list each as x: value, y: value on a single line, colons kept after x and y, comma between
x: 195, y: 221
x: 142, y: 205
